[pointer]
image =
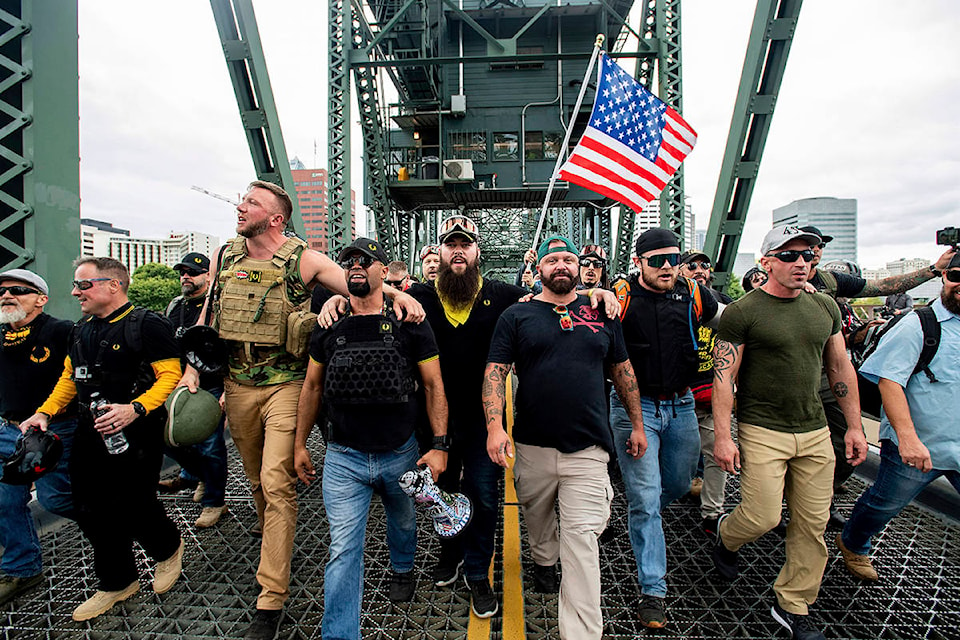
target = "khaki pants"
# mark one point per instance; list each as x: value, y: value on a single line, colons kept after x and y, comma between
x: 263, y: 422
x: 799, y: 465
x: 580, y: 484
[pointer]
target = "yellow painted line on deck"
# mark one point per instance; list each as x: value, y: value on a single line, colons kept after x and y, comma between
x: 513, y: 627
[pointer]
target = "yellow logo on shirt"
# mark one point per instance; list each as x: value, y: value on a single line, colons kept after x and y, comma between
x: 40, y: 358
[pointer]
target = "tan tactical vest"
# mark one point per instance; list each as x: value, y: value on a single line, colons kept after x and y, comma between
x: 253, y: 304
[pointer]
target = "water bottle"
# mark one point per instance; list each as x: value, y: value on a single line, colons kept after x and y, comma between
x: 116, y: 443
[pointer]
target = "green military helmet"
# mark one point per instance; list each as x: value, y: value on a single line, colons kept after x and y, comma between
x: 191, y: 417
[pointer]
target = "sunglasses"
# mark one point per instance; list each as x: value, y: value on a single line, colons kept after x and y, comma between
x: 595, y: 264
x: 791, y: 255
x: 952, y: 276
x: 427, y: 250
x: 458, y: 222
x: 83, y: 285
x: 566, y: 322
x: 17, y: 290
x: 394, y: 283
x: 657, y: 262
x: 362, y: 259
x: 698, y: 265
x: 193, y: 273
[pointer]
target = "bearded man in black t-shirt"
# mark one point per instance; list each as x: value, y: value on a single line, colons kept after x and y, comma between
x: 365, y: 369
x: 563, y: 445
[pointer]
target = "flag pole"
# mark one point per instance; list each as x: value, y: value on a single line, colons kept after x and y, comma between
x: 566, y: 138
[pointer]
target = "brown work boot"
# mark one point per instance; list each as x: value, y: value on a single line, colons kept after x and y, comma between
x: 696, y: 487
x: 103, y: 601
x: 167, y: 571
x: 857, y: 564
x: 199, y: 491
x: 210, y: 516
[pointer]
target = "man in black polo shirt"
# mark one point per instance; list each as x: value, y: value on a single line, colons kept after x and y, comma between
x: 563, y: 351
x: 31, y: 359
x: 366, y: 369
x: 129, y: 357
x: 203, y: 465
x: 663, y: 314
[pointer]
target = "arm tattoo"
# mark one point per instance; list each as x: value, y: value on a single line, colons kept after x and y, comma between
x: 624, y: 379
x: 895, y: 284
x: 724, y: 357
x: 494, y: 391
x: 840, y: 390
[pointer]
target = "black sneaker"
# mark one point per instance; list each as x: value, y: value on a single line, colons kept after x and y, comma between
x: 402, y: 587
x: 726, y: 562
x: 799, y: 626
x: 711, y: 527
x: 12, y: 586
x: 265, y: 625
x: 545, y: 579
x: 652, y: 613
x: 837, y: 520
x: 483, y: 600
x: 447, y: 569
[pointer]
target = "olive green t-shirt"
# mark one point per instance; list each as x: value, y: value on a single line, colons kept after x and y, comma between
x: 783, y: 339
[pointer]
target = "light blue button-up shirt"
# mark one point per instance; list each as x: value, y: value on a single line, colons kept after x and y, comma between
x: 934, y: 406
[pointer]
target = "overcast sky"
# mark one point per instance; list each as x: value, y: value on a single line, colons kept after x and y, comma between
x: 867, y: 110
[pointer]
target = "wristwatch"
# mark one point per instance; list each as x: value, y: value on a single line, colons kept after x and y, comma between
x: 139, y: 408
x: 441, y: 443
x: 934, y: 270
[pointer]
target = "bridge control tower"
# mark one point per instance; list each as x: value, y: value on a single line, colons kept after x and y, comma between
x: 485, y: 90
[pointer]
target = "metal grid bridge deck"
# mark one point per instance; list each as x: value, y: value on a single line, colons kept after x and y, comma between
x: 918, y: 595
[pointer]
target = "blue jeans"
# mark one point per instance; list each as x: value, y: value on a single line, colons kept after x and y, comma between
x: 205, y: 462
x: 896, y: 485
x: 658, y: 478
x: 22, y: 556
x: 349, y: 479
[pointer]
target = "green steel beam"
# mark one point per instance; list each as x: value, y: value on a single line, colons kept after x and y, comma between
x: 40, y: 143
x: 670, y: 81
x: 340, y: 24
x: 374, y: 133
x: 774, y: 24
x: 247, y: 67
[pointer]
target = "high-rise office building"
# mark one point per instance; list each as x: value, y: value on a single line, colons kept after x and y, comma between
x: 835, y: 217
x: 649, y: 218
x: 98, y: 238
x: 311, y: 188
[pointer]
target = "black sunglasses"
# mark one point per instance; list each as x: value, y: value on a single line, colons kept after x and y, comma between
x: 18, y: 290
x: 193, y: 273
x: 83, y: 285
x: 698, y: 265
x: 657, y: 262
x: 358, y: 258
x: 590, y: 263
x: 791, y: 255
x: 952, y: 276
x: 394, y: 283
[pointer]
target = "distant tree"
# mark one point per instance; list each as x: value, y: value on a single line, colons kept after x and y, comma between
x: 734, y: 290
x: 153, y: 286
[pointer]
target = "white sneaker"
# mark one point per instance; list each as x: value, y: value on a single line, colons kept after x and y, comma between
x: 167, y: 571
x: 103, y: 601
x: 210, y: 516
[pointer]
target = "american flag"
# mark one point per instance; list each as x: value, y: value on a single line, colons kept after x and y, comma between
x: 633, y: 143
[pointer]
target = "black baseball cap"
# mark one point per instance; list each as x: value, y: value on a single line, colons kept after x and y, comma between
x: 193, y: 261
x: 811, y: 229
x: 690, y: 256
x: 367, y: 247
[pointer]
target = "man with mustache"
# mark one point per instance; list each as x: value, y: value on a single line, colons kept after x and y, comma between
x: 563, y: 441
x: 364, y: 370
x: 31, y: 359
x: 663, y: 312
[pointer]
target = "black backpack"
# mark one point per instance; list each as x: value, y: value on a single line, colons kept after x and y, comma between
x: 870, y: 400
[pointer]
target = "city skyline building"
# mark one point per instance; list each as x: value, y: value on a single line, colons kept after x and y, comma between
x: 649, y: 218
x: 99, y: 238
x: 835, y: 217
x: 311, y: 191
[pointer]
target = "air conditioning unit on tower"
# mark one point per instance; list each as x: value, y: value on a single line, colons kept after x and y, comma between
x: 457, y: 170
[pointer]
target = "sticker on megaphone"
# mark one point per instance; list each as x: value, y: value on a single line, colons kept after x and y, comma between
x: 451, y: 512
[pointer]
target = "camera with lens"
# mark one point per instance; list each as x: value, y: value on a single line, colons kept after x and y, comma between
x: 949, y: 236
